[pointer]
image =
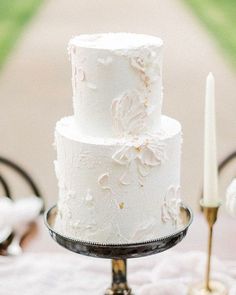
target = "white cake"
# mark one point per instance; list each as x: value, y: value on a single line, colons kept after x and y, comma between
x: 118, y: 158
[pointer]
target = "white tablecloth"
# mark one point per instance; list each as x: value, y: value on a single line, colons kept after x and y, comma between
x: 71, y: 274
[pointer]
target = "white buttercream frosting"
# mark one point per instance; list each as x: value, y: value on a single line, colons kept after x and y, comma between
x: 118, y: 158
x: 121, y: 70
x: 115, y: 41
x: 129, y: 114
x: 127, y: 179
x: 146, y: 152
x: 171, y: 206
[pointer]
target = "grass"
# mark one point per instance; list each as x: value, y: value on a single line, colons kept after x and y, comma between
x: 14, y: 15
x: 219, y: 16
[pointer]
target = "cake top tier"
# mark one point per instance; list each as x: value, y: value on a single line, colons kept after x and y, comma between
x: 115, y: 41
x: 117, y: 84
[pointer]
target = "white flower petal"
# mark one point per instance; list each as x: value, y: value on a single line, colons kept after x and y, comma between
x: 148, y: 157
x: 143, y: 169
x: 103, y: 181
x: 124, y: 155
x: 125, y: 177
x: 171, y: 205
x: 129, y: 113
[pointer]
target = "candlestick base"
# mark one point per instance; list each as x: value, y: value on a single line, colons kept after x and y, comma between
x: 216, y: 288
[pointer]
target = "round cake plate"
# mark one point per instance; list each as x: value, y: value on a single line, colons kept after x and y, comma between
x: 120, y: 252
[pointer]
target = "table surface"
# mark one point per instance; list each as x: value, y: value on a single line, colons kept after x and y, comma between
x: 224, y: 245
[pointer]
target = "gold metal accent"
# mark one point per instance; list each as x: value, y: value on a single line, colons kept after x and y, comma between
x: 146, y: 81
x: 146, y: 102
x: 217, y: 288
x: 209, y: 287
x: 122, y: 205
x: 119, y: 278
x: 118, y: 265
x: 211, y: 217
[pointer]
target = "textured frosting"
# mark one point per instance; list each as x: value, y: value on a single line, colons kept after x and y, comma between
x: 114, y: 41
x: 118, y: 158
x: 117, y: 81
x: 115, y: 191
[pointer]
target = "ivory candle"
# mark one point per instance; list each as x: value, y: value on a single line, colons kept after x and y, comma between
x: 210, y: 193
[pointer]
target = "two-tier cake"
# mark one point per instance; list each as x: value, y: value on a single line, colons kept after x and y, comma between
x: 118, y: 158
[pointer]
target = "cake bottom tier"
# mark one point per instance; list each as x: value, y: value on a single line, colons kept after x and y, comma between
x: 118, y: 190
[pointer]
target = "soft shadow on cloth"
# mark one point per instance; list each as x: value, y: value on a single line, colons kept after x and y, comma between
x: 168, y: 273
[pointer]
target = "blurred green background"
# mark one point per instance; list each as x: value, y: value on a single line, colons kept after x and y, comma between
x: 35, y: 86
x: 14, y: 15
x: 219, y: 16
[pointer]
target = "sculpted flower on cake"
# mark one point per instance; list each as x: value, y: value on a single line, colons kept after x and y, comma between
x: 144, y: 152
x: 171, y: 206
x: 129, y: 113
x: 118, y: 157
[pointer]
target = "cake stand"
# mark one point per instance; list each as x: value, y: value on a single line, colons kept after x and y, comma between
x: 119, y: 253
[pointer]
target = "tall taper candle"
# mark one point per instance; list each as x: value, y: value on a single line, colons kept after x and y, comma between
x: 210, y: 192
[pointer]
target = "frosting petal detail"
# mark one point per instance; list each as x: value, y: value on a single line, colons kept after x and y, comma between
x: 80, y: 74
x: 146, y: 153
x: 146, y: 63
x: 103, y: 181
x: 125, y: 177
x: 129, y: 113
x: 171, y: 206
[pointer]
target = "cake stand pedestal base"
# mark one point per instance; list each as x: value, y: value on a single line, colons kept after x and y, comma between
x: 119, y: 278
x: 216, y: 288
x: 119, y: 253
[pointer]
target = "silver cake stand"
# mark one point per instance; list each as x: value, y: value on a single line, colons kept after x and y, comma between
x: 119, y: 253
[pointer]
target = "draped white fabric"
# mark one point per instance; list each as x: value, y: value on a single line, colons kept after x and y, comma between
x: 71, y: 274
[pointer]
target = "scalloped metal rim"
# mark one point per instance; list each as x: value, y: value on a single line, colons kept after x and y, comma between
x: 187, y: 210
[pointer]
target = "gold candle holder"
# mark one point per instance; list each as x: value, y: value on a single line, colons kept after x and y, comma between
x: 209, y: 287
